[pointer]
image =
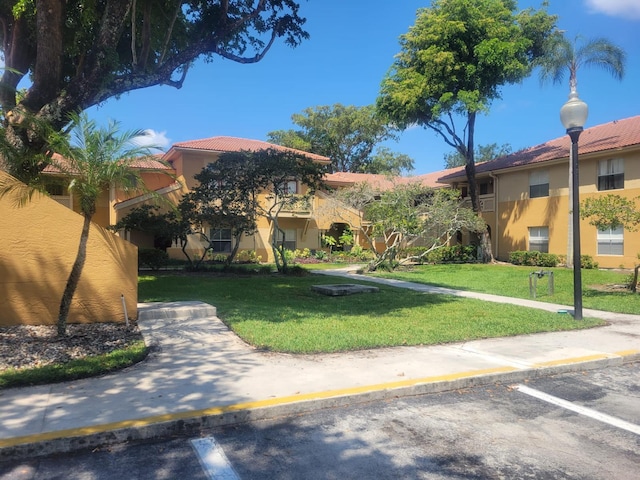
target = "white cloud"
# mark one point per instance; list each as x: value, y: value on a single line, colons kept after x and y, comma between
x: 615, y: 8
x: 153, y: 139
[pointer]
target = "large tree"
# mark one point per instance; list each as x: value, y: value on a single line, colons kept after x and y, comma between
x: 452, y: 64
x: 94, y: 160
x: 348, y: 135
x: 77, y: 54
x: 243, y: 186
x: 404, y: 215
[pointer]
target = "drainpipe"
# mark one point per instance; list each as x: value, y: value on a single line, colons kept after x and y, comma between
x: 495, y: 208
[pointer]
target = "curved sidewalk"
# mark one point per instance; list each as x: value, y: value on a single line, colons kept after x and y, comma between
x: 200, y: 375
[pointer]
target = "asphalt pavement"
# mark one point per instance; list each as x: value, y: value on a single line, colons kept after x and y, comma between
x: 200, y: 375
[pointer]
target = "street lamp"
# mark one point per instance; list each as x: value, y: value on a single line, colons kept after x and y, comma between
x: 573, y: 115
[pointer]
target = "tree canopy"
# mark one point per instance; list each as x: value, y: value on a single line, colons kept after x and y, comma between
x: 407, y: 214
x: 483, y: 153
x: 78, y: 54
x: 452, y: 64
x: 348, y: 135
x: 227, y: 196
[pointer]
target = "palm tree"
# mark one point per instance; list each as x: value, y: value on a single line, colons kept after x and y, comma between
x: 95, y: 160
x: 562, y: 55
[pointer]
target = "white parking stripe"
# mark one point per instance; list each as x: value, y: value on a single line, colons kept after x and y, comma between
x: 616, y: 422
x: 213, y: 460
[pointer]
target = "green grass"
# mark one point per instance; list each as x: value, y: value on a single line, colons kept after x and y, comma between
x: 281, y: 313
x: 75, y: 369
x: 513, y: 281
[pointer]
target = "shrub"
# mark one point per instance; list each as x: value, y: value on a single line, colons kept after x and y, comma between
x: 152, y: 258
x: 450, y: 254
x: 321, y: 254
x: 586, y: 261
x: 534, y: 259
x: 247, y: 256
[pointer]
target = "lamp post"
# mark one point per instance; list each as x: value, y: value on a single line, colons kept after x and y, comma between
x: 573, y: 115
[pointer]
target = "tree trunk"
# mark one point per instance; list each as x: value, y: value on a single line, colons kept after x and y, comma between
x: 634, y: 279
x: 74, y: 278
x: 470, y: 170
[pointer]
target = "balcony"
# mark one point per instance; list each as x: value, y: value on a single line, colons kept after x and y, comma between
x: 297, y: 206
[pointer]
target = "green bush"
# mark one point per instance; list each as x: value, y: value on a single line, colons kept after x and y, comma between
x: 248, y: 256
x: 586, y: 261
x: 450, y: 254
x: 534, y: 259
x: 321, y: 254
x: 152, y: 258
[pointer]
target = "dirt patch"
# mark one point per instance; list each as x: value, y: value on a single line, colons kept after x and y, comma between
x: 28, y: 346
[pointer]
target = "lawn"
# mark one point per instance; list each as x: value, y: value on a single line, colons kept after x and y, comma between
x: 282, y: 313
x: 513, y: 281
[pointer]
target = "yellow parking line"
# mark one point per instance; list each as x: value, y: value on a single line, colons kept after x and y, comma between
x: 144, y: 422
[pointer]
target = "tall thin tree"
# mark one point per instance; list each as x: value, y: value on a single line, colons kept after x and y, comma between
x: 94, y: 159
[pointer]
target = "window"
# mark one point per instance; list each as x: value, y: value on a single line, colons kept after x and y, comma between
x: 291, y: 187
x: 611, y: 241
x: 485, y: 187
x: 55, y: 189
x: 539, y: 239
x: 611, y: 174
x: 539, y: 184
x: 289, y: 239
x: 220, y: 239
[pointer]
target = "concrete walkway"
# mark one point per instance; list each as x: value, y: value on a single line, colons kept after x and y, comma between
x: 200, y: 375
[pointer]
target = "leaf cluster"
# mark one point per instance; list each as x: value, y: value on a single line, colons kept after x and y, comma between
x: 612, y: 211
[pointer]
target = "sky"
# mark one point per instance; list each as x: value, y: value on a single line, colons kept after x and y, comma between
x: 352, y: 45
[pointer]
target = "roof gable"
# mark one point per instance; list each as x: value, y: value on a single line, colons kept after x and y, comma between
x: 234, y: 144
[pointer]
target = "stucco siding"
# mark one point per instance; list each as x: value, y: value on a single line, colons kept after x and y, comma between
x: 40, y: 241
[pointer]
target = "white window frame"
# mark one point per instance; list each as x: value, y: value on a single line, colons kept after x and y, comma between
x: 611, y: 174
x: 539, y: 184
x: 611, y: 241
x: 291, y: 187
x: 539, y: 239
x: 219, y: 241
x: 290, y: 239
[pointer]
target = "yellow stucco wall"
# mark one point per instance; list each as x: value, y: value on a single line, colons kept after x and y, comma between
x: 518, y: 212
x: 40, y: 242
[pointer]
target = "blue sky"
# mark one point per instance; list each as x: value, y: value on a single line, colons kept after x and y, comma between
x: 352, y: 46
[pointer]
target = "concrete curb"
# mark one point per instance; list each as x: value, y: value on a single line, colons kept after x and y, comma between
x: 194, y: 422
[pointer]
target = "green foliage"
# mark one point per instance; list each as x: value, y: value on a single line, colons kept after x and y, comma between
x: 165, y: 227
x: 561, y: 56
x: 447, y: 254
x: 611, y: 211
x: 586, y: 262
x: 91, y: 51
x: 534, y: 259
x: 248, y: 256
x: 410, y: 212
x: 347, y: 135
x: 483, y: 153
x: 321, y: 254
x: 153, y: 258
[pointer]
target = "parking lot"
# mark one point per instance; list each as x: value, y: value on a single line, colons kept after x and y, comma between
x: 583, y: 425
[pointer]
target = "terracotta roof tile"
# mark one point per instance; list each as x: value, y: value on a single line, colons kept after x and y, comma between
x: 385, y: 182
x: 144, y: 163
x: 608, y: 136
x: 233, y: 144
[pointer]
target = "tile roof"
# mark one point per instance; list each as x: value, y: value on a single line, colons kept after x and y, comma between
x: 385, y: 182
x: 143, y: 163
x: 233, y: 144
x: 608, y: 136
